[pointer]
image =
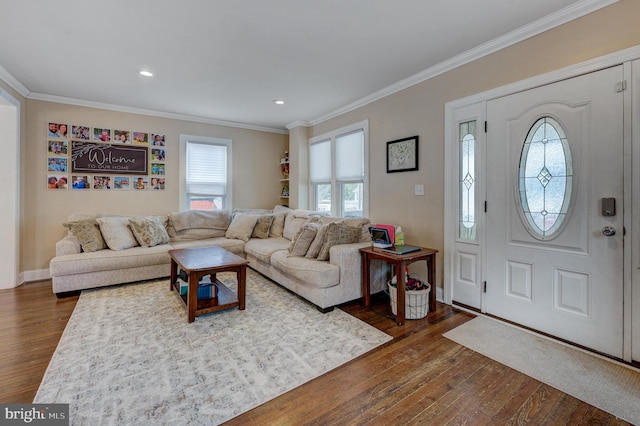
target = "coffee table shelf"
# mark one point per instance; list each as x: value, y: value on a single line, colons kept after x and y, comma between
x: 226, y: 299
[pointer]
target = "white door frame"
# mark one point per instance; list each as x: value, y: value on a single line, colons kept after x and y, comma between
x: 631, y: 271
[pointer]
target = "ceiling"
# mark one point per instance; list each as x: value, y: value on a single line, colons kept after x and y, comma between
x: 227, y: 61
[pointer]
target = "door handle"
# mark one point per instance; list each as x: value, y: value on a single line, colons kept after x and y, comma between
x: 608, y: 231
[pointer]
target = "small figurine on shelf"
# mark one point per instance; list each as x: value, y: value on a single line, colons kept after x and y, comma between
x: 284, y: 169
x: 285, y: 191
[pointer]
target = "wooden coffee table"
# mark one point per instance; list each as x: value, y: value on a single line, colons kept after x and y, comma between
x: 198, y: 262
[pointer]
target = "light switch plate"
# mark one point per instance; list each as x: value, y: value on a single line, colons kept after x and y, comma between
x: 419, y: 189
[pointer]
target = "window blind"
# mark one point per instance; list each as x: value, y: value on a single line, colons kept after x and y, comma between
x: 350, y: 156
x: 206, y: 169
x: 320, y: 161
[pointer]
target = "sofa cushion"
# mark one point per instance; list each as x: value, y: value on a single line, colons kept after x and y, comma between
x: 88, y: 234
x: 318, y: 242
x: 339, y: 233
x: 291, y: 225
x: 198, y: 225
x: 303, y: 239
x: 263, y: 249
x: 258, y: 212
x: 263, y: 224
x: 277, y: 226
x: 201, y: 219
x: 357, y: 222
x: 149, y: 231
x: 242, y: 226
x: 281, y: 209
x: 116, y: 232
x: 310, y: 272
x: 110, y: 260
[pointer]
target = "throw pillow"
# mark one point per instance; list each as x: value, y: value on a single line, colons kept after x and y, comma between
x: 300, y: 244
x: 338, y: 233
x: 318, y: 242
x: 88, y: 233
x: 281, y: 209
x: 262, y: 227
x: 362, y: 223
x: 277, y: 226
x: 116, y: 232
x: 292, y: 224
x: 242, y: 226
x: 149, y: 231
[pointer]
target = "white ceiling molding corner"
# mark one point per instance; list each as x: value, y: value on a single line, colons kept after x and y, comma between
x: 13, y: 82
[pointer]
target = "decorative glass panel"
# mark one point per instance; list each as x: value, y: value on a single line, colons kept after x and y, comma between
x: 545, y: 178
x: 467, y: 221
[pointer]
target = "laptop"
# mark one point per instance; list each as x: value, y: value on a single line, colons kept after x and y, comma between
x: 403, y: 249
x: 382, y: 241
x: 380, y: 237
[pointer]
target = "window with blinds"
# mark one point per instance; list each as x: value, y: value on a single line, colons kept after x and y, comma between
x: 206, y: 174
x: 338, y: 171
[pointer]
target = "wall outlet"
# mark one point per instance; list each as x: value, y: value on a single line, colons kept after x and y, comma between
x: 419, y: 189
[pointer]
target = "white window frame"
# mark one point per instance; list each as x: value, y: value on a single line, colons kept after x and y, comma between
x: 183, y: 194
x: 336, y: 194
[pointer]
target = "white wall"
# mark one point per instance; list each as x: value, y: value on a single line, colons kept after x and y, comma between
x: 10, y: 177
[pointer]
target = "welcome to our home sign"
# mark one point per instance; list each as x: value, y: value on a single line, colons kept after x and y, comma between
x: 91, y: 157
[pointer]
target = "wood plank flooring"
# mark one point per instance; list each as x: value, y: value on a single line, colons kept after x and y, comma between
x: 418, y: 378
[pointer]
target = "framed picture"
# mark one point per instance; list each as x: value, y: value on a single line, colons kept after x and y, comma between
x: 57, y: 164
x: 122, y: 183
x: 101, y: 135
x: 57, y: 182
x: 58, y: 130
x: 157, y: 140
x: 141, y: 138
x: 81, y: 132
x: 402, y: 155
x: 141, y: 183
x: 80, y: 182
x: 102, y: 182
x: 157, y: 183
x: 58, y: 147
x: 122, y: 136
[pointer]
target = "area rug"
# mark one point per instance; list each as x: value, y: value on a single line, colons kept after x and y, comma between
x: 607, y: 385
x: 128, y: 355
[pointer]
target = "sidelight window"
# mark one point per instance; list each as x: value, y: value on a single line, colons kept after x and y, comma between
x: 467, y: 180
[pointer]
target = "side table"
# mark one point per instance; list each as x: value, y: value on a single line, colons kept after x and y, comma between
x: 400, y: 261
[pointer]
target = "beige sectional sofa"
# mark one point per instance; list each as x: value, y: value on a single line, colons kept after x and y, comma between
x: 316, y: 257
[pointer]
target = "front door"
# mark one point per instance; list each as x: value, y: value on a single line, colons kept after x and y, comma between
x: 554, y: 210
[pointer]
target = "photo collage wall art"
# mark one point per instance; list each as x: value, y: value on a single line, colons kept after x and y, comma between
x: 102, y: 159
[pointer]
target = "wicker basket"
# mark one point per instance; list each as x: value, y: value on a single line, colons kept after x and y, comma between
x: 416, y: 303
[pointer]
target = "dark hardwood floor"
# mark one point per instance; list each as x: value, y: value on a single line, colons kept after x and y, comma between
x: 419, y: 377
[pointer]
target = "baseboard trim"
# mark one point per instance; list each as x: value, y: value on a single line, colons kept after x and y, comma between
x: 34, y: 275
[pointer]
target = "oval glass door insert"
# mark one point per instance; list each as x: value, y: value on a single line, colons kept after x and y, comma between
x: 545, y: 178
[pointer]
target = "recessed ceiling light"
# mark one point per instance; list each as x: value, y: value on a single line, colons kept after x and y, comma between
x: 146, y: 73
x: 278, y: 102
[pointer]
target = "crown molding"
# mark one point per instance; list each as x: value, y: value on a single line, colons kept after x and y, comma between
x: 569, y: 13
x: 141, y: 111
x: 297, y: 123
